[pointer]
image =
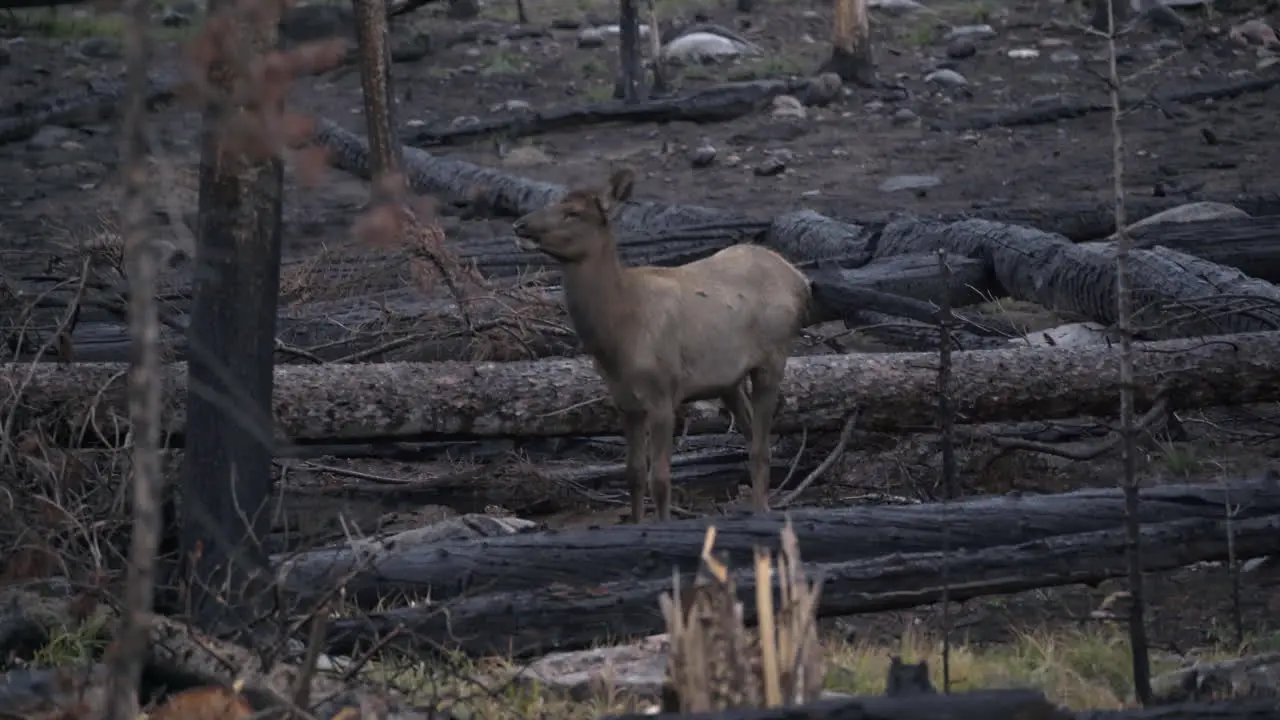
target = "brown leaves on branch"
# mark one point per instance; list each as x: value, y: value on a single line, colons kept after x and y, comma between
x: 235, y: 49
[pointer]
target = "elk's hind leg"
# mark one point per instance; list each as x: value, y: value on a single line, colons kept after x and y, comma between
x: 636, y: 430
x: 766, y: 383
x: 738, y: 404
x: 662, y: 428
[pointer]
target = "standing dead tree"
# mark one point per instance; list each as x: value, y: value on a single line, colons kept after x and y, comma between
x: 127, y: 655
x: 851, y: 56
x: 630, y: 69
x: 242, y: 81
x: 1124, y: 325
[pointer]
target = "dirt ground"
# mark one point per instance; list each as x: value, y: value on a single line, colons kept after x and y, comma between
x: 57, y: 186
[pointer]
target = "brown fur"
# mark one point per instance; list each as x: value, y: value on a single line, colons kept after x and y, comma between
x: 663, y: 336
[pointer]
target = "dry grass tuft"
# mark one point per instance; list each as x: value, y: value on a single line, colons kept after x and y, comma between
x: 717, y: 664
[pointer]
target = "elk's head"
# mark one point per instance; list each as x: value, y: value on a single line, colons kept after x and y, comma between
x: 577, y: 227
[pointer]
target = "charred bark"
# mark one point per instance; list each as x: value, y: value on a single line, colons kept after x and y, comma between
x: 589, y: 557
x: 895, y: 392
x: 980, y: 705
x: 571, y: 617
x: 227, y: 482
x: 1174, y: 293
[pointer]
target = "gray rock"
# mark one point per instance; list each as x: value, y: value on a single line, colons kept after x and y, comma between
x: 50, y: 137
x: 590, y: 38
x: 970, y: 31
x: 770, y: 166
x: 512, y: 106
x: 788, y: 107
x: 961, y: 48
x: 703, y: 156
x: 910, y: 182
x: 173, y: 18
x: 904, y: 116
x: 896, y: 7
x: 947, y: 78
x: 1064, y: 56
x: 100, y: 48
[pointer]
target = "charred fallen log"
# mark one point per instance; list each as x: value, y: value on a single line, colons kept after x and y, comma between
x: 980, y: 705
x: 890, y: 392
x: 1027, y: 264
x: 1041, y: 114
x: 719, y: 103
x: 589, y: 557
x: 1251, y: 245
x: 564, y: 617
x: 1080, y: 279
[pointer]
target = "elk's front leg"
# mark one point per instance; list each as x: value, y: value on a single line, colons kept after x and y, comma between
x: 635, y: 430
x: 662, y: 428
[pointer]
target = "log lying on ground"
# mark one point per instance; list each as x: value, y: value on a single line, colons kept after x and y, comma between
x: 980, y: 705
x: 1251, y: 245
x: 408, y: 325
x: 564, y: 617
x: 590, y: 557
x: 890, y: 392
x: 1041, y: 114
x: 1027, y: 264
x: 1080, y: 279
x: 719, y: 103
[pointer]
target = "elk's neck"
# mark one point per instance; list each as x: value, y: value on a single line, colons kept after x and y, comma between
x: 595, y: 294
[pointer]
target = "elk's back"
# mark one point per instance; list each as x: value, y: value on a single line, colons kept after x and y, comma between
x: 716, y: 318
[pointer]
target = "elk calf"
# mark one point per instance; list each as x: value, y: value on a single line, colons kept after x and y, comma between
x: 662, y: 336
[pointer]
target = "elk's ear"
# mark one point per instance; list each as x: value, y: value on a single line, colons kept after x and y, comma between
x: 621, y: 183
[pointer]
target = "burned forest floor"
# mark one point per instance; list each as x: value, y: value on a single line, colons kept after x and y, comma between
x: 912, y: 145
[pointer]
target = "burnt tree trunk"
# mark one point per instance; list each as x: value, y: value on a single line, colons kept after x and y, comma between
x: 894, y: 392
x: 565, y: 617
x: 630, y: 68
x: 227, y: 483
x: 851, y: 56
x: 375, y: 81
x: 650, y: 552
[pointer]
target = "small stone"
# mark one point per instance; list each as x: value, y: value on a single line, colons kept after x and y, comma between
x: 1064, y: 56
x: 786, y: 106
x: 961, y: 48
x: 896, y: 7
x: 732, y: 161
x: 174, y: 18
x: 948, y: 78
x: 512, y: 106
x: 462, y: 121
x: 770, y: 166
x: 909, y: 182
x: 590, y: 38
x: 1052, y: 42
x: 525, y: 156
x: 970, y: 31
x: 100, y: 48
x: 703, y: 156
x: 50, y: 137
x: 904, y: 116
x: 1024, y: 53
x: 1267, y: 62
